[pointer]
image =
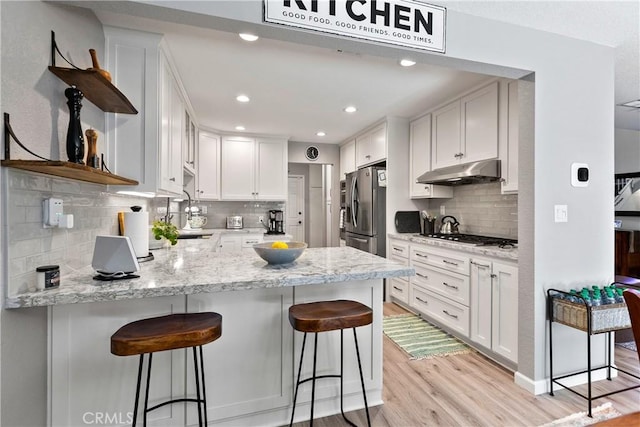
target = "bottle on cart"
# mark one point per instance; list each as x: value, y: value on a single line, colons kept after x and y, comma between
x: 586, y: 298
x: 619, y: 297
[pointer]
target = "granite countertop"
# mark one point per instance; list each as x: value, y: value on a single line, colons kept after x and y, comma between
x: 193, y: 267
x: 491, y: 251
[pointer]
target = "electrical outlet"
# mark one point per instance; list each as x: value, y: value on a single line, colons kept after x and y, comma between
x: 203, y: 209
x: 442, y: 210
x: 260, y: 219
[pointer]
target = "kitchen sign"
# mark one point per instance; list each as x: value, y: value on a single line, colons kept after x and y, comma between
x: 401, y: 22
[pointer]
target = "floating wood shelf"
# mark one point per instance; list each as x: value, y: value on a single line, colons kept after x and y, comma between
x: 96, y: 89
x: 69, y: 170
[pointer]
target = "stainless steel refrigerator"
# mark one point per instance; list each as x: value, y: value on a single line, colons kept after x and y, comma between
x: 366, y: 201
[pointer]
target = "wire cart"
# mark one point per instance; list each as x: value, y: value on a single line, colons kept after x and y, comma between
x: 592, y: 320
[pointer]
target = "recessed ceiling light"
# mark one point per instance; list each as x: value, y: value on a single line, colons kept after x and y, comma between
x: 242, y: 98
x: 632, y: 104
x: 239, y: 127
x: 350, y: 109
x: 407, y: 62
x: 248, y: 37
x: 320, y: 133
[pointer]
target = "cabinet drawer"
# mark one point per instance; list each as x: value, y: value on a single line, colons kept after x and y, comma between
x: 403, y: 261
x: 451, y: 261
x: 450, y: 285
x: 448, y: 313
x: 400, y: 290
x: 400, y: 249
x: 249, y: 241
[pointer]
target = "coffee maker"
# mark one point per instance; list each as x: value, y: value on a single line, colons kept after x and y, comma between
x: 276, y: 222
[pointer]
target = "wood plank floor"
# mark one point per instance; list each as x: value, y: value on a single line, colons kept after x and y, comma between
x: 471, y: 390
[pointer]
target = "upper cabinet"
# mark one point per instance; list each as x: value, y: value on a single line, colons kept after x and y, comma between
x: 146, y: 146
x: 466, y: 129
x: 253, y: 168
x: 420, y: 161
x: 347, y: 158
x: 208, y: 187
x: 189, y: 143
x: 371, y: 146
x: 509, y: 128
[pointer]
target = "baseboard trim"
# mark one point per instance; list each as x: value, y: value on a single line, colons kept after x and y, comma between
x: 543, y: 386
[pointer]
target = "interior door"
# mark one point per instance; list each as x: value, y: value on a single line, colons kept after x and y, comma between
x: 295, y: 208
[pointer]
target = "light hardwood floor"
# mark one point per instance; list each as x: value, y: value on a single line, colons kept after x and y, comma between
x: 472, y: 390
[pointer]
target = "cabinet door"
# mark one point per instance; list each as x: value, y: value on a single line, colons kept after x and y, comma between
x: 230, y: 244
x: 480, y: 308
x: 509, y: 128
x: 208, y: 167
x: 347, y: 158
x: 237, y: 179
x: 420, y: 146
x: 479, y: 117
x: 445, y: 143
x: 504, y: 334
x: 363, y: 150
x: 271, y: 173
x: 171, y: 129
x: 189, y: 143
x: 378, y: 144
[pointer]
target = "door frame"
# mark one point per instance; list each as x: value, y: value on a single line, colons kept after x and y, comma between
x: 302, y: 204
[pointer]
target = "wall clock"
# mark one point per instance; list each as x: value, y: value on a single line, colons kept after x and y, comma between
x: 312, y: 153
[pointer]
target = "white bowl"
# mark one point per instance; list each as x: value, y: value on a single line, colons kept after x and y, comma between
x: 280, y: 256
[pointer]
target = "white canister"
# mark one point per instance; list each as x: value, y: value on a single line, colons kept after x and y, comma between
x: 48, y: 276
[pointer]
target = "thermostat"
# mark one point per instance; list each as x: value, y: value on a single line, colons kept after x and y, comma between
x: 579, y: 174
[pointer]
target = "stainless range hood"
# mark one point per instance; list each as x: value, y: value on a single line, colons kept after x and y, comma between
x: 468, y: 173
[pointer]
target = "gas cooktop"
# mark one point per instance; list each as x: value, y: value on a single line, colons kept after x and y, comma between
x: 476, y: 240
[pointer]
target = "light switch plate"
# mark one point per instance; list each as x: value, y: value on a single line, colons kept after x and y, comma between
x: 561, y: 213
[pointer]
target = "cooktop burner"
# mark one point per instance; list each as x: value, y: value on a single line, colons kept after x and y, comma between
x: 476, y: 240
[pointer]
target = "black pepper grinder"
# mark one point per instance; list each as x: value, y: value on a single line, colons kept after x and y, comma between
x: 75, y: 140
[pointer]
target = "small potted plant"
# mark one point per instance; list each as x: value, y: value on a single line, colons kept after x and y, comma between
x: 165, y: 230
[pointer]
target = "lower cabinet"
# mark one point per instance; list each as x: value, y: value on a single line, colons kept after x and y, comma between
x: 444, y: 311
x: 494, y: 303
x: 233, y: 242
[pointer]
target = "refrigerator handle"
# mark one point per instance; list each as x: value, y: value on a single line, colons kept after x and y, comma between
x: 354, y: 202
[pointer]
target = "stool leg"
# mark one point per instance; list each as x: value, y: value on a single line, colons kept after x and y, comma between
x: 295, y: 394
x: 135, y: 405
x: 364, y: 393
x: 204, y: 389
x: 342, y: 379
x: 313, y: 379
x: 146, y: 393
x: 195, y: 368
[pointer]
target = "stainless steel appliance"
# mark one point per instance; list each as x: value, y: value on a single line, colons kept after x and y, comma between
x: 366, y: 200
x: 476, y: 240
x: 449, y: 227
x: 276, y: 222
x: 343, y: 208
x: 467, y: 173
x: 234, y: 221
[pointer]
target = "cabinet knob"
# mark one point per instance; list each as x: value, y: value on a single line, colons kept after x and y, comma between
x: 299, y: 222
x: 368, y: 156
x: 172, y: 179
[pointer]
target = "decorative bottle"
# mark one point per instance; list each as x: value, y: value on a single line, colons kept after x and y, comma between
x: 75, y: 139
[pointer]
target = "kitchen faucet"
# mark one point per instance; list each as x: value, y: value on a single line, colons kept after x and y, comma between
x: 189, y: 214
x: 168, y: 216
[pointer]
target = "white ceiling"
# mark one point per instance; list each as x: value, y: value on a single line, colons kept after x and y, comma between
x: 297, y: 90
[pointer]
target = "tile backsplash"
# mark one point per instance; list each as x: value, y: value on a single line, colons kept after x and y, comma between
x: 30, y: 245
x: 481, y: 209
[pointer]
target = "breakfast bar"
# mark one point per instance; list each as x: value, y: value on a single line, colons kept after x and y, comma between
x: 249, y: 371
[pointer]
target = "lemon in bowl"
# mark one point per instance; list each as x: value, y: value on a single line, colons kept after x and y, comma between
x: 279, y: 252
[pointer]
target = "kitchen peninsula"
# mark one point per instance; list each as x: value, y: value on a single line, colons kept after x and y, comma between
x: 249, y: 370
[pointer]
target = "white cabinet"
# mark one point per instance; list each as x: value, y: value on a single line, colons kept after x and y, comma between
x: 494, y: 306
x: 147, y: 146
x: 399, y: 286
x: 347, y: 158
x: 371, y: 146
x: 440, y: 288
x: 420, y: 153
x: 253, y: 169
x: 509, y: 141
x: 466, y: 130
x: 208, y: 167
x: 189, y: 144
x: 230, y: 243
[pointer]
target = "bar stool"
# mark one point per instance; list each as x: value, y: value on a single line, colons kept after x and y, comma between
x: 324, y: 316
x: 170, y: 332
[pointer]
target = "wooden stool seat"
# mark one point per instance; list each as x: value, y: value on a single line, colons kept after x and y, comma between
x: 326, y: 316
x: 166, y: 333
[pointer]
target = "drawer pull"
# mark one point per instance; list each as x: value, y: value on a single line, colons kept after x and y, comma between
x: 449, y: 314
x: 493, y: 275
x: 398, y: 289
x: 422, y: 301
x: 398, y: 249
x: 422, y: 275
x: 421, y: 255
x: 450, y: 263
x: 450, y: 286
x: 479, y: 265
